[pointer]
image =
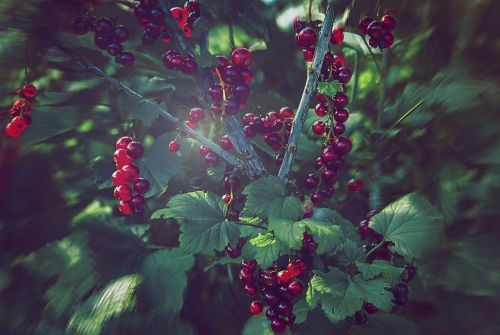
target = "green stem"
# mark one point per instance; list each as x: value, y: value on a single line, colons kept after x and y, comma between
x: 405, y: 115
x: 356, y: 79
x: 250, y: 225
x: 373, y: 56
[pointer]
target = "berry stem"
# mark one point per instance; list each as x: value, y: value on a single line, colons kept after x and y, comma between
x: 89, y: 67
x: 356, y: 80
x: 373, y: 56
x: 250, y: 225
x: 310, y: 86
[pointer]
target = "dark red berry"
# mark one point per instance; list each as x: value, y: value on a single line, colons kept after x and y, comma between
x: 337, y: 36
x: 343, y: 145
x: 272, y: 314
x: 387, y: 40
x: 121, y: 158
x: 340, y: 100
x: 251, y: 265
x: 256, y: 307
x: 225, y: 143
x: 306, y: 38
x: 278, y: 326
x: 125, y: 58
x: 308, y: 54
x: 125, y: 208
x: 295, y: 288
x: 121, y: 34
x: 296, y: 267
x: 389, y: 21
x: 241, y: 57
x: 283, y: 277
x: 131, y: 172
x: 119, y: 178
x: 246, y: 76
x: 318, y: 127
x: 321, y: 109
x: 344, y: 75
x: 329, y: 176
x: 250, y: 290
x: 311, y: 181
x: 376, y: 29
x: 298, y: 25
x: 135, y: 150
x: 123, y: 192
x: 180, y: 15
x: 355, y: 185
x: 141, y: 186
x: 104, y: 26
x: 341, y: 115
x: 317, y: 197
x: 137, y: 201
x: 284, y: 308
x: 211, y: 159
x: 409, y: 273
x: 290, y: 319
x: 363, y: 24
x: 173, y: 146
x: 28, y: 91
x: 286, y: 113
x: 369, y: 308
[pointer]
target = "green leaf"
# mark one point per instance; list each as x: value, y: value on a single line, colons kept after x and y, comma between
x: 158, y: 165
x: 355, y: 42
x: 204, y: 227
x: 300, y: 309
x: 264, y: 248
x: 350, y: 252
x: 257, y: 325
x: 411, y: 223
x: 216, y: 173
x: 49, y: 122
x: 115, y: 299
x: 324, y: 283
x: 222, y: 261
x: 348, y: 229
x: 329, y: 88
x: 287, y: 231
x: 146, y: 111
x: 390, y: 272
x: 327, y: 235
x: 350, y: 293
x: 267, y: 197
x: 165, y: 278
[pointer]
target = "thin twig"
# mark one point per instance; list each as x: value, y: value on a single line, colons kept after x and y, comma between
x: 311, y: 83
x: 89, y: 67
x: 405, y: 115
x: 373, y: 56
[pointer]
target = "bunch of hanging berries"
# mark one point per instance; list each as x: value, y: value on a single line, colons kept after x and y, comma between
x: 234, y: 76
x: 108, y: 36
x: 152, y: 19
x: 278, y: 286
x: 380, y: 32
x: 130, y: 188
x: 20, y: 111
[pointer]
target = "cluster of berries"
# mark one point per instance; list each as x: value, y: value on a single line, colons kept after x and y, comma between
x: 130, y: 189
x: 20, y: 111
x: 152, y: 19
x: 108, y: 36
x: 275, y: 127
x: 371, y: 239
x: 380, y: 32
x: 277, y: 287
x: 174, y: 61
x: 231, y: 94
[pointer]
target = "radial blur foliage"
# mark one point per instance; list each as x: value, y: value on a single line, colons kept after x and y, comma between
x: 70, y: 264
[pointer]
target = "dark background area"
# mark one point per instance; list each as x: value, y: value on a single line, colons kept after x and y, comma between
x: 61, y: 242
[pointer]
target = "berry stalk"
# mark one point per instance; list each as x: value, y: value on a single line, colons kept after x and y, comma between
x: 311, y: 83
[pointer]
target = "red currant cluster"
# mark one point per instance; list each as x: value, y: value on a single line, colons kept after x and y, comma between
x: 130, y: 189
x: 380, y: 32
x: 275, y: 127
x: 277, y: 287
x: 152, y: 18
x: 231, y: 94
x: 20, y: 111
x: 174, y: 61
x: 108, y: 36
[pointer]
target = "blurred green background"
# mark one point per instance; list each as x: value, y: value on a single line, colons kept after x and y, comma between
x: 69, y: 264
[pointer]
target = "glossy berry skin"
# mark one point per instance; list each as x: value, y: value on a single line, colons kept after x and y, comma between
x: 246, y: 76
x: 271, y: 297
x: 256, y: 307
x: 364, y: 231
x: 296, y: 267
x: 125, y: 58
x: 241, y: 57
x: 196, y: 115
x: 12, y: 131
x: 278, y: 326
x: 283, y: 277
x: 272, y: 314
x: 308, y: 54
x: 340, y: 100
x: 135, y: 150
x: 121, y: 158
x: 311, y: 181
x: 225, y: 143
x: 180, y: 14
x: 119, y: 178
x: 123, y: 142
x: 341, y: 115
x: 121, y: 34
x: 363, y: 24
x: 306, y: 38
x: 123, y: 192
x: 387, y: 40
x: 318, y: 127
x: 286, y: 113
x: 284, y: 308
x: 250, y: 290
x: 29, y: 91
x: 344, y: 75
x: 125, y: 208
x: 173, y: 146
x: 131, y: 172
x: 141, y: 186
x: 389, y: 21
x: 329, y: 176
x: 104, y: 26
x: 376, y: 29
x: 251, y: 265
x: 137, y: 201
x: 321, y: 109
x: 343, y: 145
x: 355, y: 185
x: 227, y: 198
x: 295, y: 288
x: 317, y: 197
x: 409, y: 273
x: 337, y: 37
